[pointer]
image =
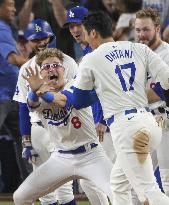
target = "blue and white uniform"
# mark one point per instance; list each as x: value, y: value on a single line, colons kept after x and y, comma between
x: 78, y: 153
x: 118, y: 73
x: 39, y: 136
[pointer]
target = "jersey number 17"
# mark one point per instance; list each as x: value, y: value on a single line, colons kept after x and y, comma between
x: 119, y: 71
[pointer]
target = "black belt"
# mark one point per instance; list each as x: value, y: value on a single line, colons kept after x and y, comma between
x: 79, y: 150
x: 40, y: 124
x: 161, y: 110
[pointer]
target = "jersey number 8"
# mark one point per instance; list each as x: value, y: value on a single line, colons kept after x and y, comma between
x: 76, y: 122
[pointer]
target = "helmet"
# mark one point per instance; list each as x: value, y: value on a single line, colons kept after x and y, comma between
x: 38, y: 29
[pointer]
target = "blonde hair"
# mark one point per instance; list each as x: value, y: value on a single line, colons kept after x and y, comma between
x: 47, y: 53
x: 149, y: 13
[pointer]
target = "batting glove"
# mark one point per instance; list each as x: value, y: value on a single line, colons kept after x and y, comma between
x: 167, y: 112
x: 28, y: 153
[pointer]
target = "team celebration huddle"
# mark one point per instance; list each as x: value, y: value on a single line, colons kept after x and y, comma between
x: 102, y: 119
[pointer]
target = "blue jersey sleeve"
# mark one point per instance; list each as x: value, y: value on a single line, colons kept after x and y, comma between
x: 6, y: 68
x: 159, y: 90
x: 98, y: 113
x: 24, y: 118
x: 7, y: 43
x: 69, y: 98
x: 83, y: 98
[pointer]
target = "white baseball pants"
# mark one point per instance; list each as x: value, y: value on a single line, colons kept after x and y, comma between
x: 42, y: 145
x: 133, y: 136
x: 92, y: 165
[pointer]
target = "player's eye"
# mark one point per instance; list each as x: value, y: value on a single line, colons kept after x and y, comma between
x: 56, y: 65
x: 45, y: 67
x: 53, y: 65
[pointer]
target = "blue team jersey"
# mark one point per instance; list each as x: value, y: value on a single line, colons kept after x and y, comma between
x: 8, y: 72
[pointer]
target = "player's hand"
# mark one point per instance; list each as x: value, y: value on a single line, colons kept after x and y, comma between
x: 167, y: 112
x: 44, y: 88
x: 34, y: 79
x: 28, y: 153
x: 100, y: 130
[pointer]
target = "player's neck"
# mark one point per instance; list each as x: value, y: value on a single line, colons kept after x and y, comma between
x: 105, y: 40
x: 84, y: 44
x: 156, y: 44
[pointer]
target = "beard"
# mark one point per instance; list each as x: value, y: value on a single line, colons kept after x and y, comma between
x: 40, y: 48
x: 149, y: 42
x: 152, y: 41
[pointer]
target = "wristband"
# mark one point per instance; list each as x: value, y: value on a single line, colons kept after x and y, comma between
x: 33, y: 96
x: 48, y: 97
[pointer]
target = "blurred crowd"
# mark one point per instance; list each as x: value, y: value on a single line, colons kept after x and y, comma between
x: 15, y: 50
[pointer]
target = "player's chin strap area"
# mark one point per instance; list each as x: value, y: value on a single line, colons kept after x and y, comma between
x: 79, y: 150
x: 127, y: 112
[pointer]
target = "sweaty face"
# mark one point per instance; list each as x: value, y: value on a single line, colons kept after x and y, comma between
x: 53, y: 71
x: 39, y: 44
x: 7, y: 10
x: 145, y: 31
x: 77, y: 32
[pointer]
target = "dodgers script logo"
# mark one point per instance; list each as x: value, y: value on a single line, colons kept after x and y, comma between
x: 56, y: 116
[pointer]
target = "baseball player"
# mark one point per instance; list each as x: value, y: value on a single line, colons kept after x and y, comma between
x: 75, y: 16
x: 38, y: 147
x: 78, y: 153
x: 147, y: 29
x: 118, y: 72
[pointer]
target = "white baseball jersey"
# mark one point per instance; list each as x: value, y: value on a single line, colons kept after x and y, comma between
x: 118, y: 73
x: 68, y: 128
x: 22, y: 87
x: 163, y: 52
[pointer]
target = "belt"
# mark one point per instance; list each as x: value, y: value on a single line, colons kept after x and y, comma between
x: 40, y: 123
x: 79, y: 150
x: 161, y: 110
x: 126, y: 112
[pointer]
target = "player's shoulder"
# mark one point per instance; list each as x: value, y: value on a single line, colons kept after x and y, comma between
x: 67, y: 59
x: 164, y: 46
x: 118, y: 45
x: 30, y: 62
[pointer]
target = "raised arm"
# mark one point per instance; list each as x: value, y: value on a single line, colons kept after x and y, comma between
x: 59, y: 11
x: 24, y: 14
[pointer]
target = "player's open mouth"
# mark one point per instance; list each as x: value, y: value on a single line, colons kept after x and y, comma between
x: 77, y: 36
x: 53, y: 77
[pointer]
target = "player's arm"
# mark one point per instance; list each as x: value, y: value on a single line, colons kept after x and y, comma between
x: 160, y: 72
x: 61, y: 99
x: 9, y: 51
x: 6, y: 68
x: 59, y: 11
x: 83, y: 93
x: 16, y: 59
x: 24, y: 118
x: 157, y: 68
x: 20, y: 97
x: 156, y: 93
x: 152, y: 96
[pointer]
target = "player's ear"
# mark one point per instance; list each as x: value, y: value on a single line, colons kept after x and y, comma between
x: 94, y: 33
x: 158, y: 28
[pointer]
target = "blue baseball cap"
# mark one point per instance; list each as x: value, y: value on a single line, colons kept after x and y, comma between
x: 75, y: 15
